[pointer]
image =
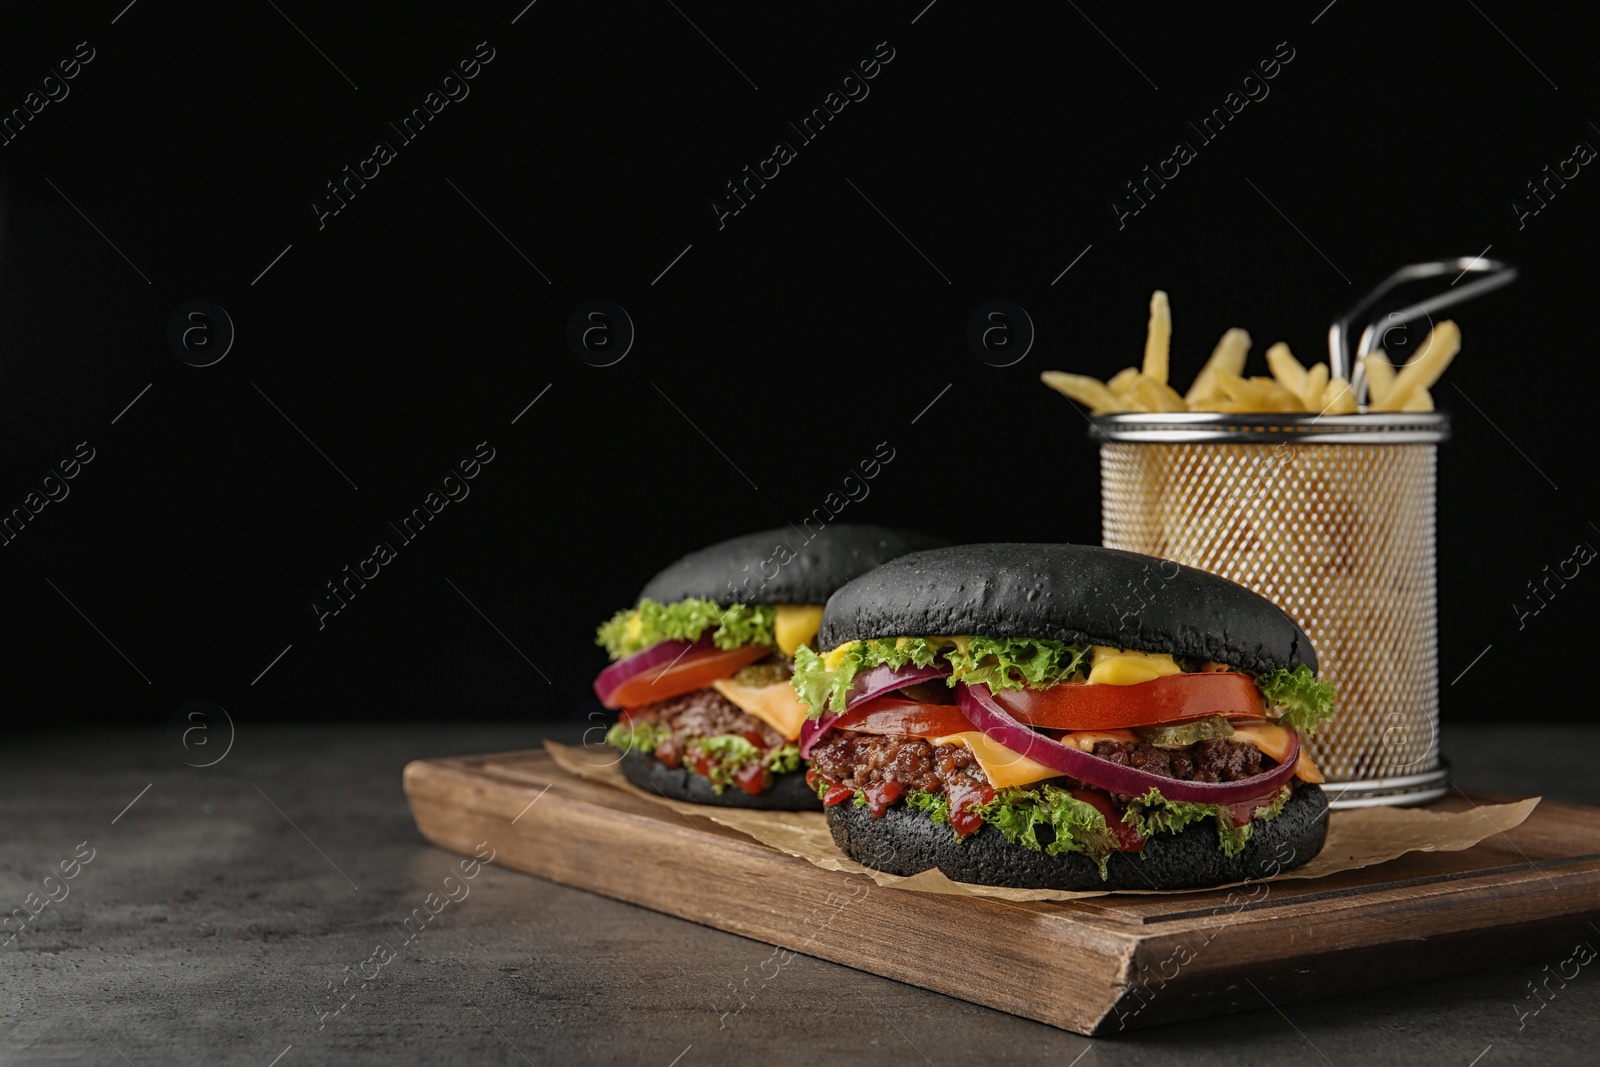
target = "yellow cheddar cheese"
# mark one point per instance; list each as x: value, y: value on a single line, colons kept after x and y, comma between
x: 1003, y: 767
x: 774, y: 705
x: 795, y: 625
x: 832, y: 660
x: 1085, y: 740
x: 1115, y: 666
x: 1274, y: 741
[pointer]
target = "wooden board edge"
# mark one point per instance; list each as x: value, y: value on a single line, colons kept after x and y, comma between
x: 836, y: 928
x: 1159, y: 994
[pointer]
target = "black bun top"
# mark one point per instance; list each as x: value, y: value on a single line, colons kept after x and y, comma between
x: 781, y: 566
x: 1072, y: 593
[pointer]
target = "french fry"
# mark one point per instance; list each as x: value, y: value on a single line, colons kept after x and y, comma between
x: 1337, y: 398
x: 1158, y: 340
x: 1286, y: 369
x: 1090, y: 392
x: 1234, y: 388
x: 1421, y: 400
x: 1230, y: 355
x: 1279, y: 398
x: 1158, y: 396
x: 1423, y: 369
x: 1380, y: 375
x: 1258, y: 393
x: 1122, y: 382
x: 1292, y: 387
x: 1316, y: 382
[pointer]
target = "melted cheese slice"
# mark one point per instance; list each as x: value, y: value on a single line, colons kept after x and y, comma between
x: 1003, y: 767
x: 774, y: 705
x: 1115, y: 666
x: 1274, y: 741
x: 794, y: 625
x: 1085, y: 740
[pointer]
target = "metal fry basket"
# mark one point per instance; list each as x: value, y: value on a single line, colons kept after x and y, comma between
x: 1332, y: 519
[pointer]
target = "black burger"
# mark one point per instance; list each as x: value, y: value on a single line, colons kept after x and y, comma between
x: 1063, y: 717
x: 703, y: 662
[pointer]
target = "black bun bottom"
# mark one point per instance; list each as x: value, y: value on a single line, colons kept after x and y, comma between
x: 789, y: 792
x: 906, y: 842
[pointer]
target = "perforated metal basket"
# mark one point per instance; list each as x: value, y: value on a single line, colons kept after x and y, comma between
x: 1331, y: 518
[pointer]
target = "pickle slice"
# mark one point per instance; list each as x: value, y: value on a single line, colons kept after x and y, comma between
x: 762, y: 673
x: 1184, y: 734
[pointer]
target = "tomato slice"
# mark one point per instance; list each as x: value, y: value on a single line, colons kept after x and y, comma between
x: 899, y: 717
x: 1110, y: 707
x: 696, y: 670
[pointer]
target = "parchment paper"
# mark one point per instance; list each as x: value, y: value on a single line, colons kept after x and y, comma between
x: 1357, y: 837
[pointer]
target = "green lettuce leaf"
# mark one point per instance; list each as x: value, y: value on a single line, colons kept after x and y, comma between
x: 1154, y: 814
x: 998, y: 662
x: 1274, y: 809
x: 816, y: 686
x: 638, y: 736
x: 783, y: 760
x: 1074, y: 825
x: 730, y: 753
x: 1306, y: 700
x: 935, y: 805
x: 1016, y: 662
x: 635, y: 629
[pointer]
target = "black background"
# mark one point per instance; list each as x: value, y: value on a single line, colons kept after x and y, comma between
x: 798, y: 336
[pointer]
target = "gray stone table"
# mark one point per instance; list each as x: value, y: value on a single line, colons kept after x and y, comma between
x: 222, y: 913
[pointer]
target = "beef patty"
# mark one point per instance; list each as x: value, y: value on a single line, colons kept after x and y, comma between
x: 859, y: 760
x: 707, y: 713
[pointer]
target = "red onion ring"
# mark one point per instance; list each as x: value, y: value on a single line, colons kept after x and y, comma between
x: 662, y: 654
x: 980, y: 708
x: 812, y: 731
x: 868, y: 685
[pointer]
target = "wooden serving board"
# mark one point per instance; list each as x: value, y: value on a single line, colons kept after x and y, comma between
x: 1095, y: 965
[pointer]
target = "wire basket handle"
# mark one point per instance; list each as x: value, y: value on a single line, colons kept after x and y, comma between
x: 1342, y: 363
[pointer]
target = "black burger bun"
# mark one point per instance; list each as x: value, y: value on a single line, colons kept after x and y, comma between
x: 905, y: 841
x: 789, y: 792
x: 781, y: 566
x: 1078, y: 594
